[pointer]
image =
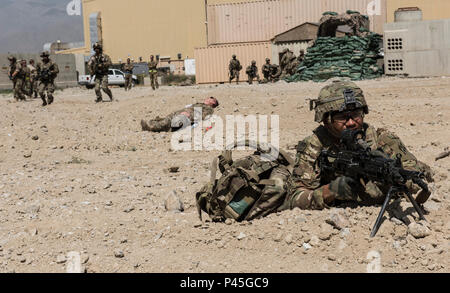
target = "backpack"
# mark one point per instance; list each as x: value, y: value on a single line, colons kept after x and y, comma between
x: 237, y: 193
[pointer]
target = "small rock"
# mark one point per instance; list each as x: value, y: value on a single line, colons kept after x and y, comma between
x: 61, y: 259
x: 288, y: 239
x: 228, y: 221
x: 278, y: 237
x: 174, y: 169
x: 35, y: 137
x: 27, y: 155
x: 332, y: 257
x: 108, y: 203
x: 147, y: 184
x: 241, y: 236
x: 118, y: 253
x: 129, y: 209
x: 307, y: 246
x: 173, y: 203
x: 418, y: 230
x: 337, y: 220
x: 314, y: 240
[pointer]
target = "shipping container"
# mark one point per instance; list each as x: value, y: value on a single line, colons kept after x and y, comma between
x: 212, y: 62
x: 262, y: 20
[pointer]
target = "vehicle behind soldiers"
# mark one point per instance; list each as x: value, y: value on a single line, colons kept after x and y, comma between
x: 153, y: 72
x: 234, y: 68
x: 252, y: 72
x: 99, y: 65
x: 17, y: 75
x: 47, y: 71
x: 34, y: 78
x: 127, y: 68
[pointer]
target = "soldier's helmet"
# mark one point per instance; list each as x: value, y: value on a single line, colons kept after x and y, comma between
x: 340, y: 96
x: 45, y: 54
x: 97, y: 46
x: 31, y: 61
x: 267, y: 59
x: 253, y: 62
x: 12, y: 58
x: 234, y: 56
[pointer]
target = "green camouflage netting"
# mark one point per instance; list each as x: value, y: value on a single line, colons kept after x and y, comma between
x: 350, y: 56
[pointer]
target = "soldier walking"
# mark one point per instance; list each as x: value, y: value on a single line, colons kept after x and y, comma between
x: 27, y: 90
x: 17, y: 76
x: 153, y: 72
x: 127, y: 68
x: 33, y: 79
x: 47, y: 72
x: 99, y: 65
x: 252, y: 72
x: 234, y: 68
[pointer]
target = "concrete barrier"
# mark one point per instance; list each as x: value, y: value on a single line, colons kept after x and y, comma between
x: 67, y: 64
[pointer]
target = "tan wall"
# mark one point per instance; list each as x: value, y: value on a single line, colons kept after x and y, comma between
x: 144, y: 27
x: 431, y: 9
x: 212, y: 62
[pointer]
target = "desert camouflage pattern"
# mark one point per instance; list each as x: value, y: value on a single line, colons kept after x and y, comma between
x: 307, y: 185
x: 47, y: 86
x: 234, y: 68
x: 359, y: 24
x: 18, y: 80
x: 33, y: 80
x: 252, y: 73
x: 99, y: 66
x: 128, y: 70
x: 165, y: 124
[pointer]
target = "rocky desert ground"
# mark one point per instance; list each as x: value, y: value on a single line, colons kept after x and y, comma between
x: 79, y: 177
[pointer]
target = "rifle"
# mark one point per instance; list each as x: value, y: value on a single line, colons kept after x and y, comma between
x: 45, y: 75
x: 357, y: 161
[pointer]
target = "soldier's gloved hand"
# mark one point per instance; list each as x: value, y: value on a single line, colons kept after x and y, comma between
x: 345, y: 188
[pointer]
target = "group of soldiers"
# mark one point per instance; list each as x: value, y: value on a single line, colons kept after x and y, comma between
x: 128, y: 67
x: 271, y: 72
x: 30, y: 80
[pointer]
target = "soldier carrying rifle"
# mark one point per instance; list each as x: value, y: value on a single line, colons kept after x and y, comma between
x: 47, y: 71
x: 99, y: 66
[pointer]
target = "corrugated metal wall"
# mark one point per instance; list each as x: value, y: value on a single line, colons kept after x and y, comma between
x: 262, y: 20
x: 212, y: 62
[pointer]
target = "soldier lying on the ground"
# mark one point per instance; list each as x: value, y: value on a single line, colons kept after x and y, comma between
x: 342, y: 106
x: 176, y: 120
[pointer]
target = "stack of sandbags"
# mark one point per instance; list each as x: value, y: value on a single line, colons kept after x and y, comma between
x: 350, y: 56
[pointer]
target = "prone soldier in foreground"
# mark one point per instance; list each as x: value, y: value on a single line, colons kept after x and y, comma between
x: 47, y: 71
x: 341, y: 106
x: 176, y: 120
x: 99, y: 65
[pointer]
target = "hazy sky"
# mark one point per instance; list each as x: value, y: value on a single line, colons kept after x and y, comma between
x: 26, y: 25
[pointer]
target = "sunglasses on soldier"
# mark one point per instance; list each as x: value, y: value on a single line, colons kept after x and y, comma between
x: 345, y: 116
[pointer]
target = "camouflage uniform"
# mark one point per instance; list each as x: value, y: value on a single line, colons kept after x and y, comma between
x: 27, y: 86
x: 47, y: 83
x: 301, y: 57
x: 288, y: 56
x: 33, y: 80
x: 99, y: 66
x: 234, y: 68
x: 172, y: 121
x: 17, y: 76
x: 266, y: 71
x: 127, y: 68
x: 252, y: 72
x: 153, y: 71
x: 307, y: 185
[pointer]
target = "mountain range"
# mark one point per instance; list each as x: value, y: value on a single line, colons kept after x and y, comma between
x: 26, y: 25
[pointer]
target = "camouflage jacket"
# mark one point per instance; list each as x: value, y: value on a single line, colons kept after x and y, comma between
x: 18, y: 70
x: 194, y: 113
x: 127, y: 68
x: 235, y: 65
x: 152, y: 66
x: 99, y: 64
x: 252, y: 70
x: 266, y: 68
x: 33, y: 71
x: 306, y: 176
x: 51, y: 66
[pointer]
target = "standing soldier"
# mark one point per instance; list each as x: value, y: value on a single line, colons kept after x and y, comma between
x: 127, y: 68
x: 266, y: 70
x: 153, y: 71
x: 16, y: 75
x: 47, y: 72
x: 34, y: 79
x: 252, y: 72
x: 234, y: 68
x: 27, y: 87
x: 99, y: 65
x: 301, y: 57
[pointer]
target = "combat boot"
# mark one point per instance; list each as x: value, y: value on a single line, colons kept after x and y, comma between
x: 98, y: 100
x: 44, y: 101
x: 50, y: 99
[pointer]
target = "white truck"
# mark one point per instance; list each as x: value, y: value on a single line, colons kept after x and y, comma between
x: 115, y: 77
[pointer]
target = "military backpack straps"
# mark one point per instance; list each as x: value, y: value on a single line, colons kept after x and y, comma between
x: 238, y: 190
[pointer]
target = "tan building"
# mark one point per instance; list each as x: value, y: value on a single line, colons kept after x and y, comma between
x: 431, y: 9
